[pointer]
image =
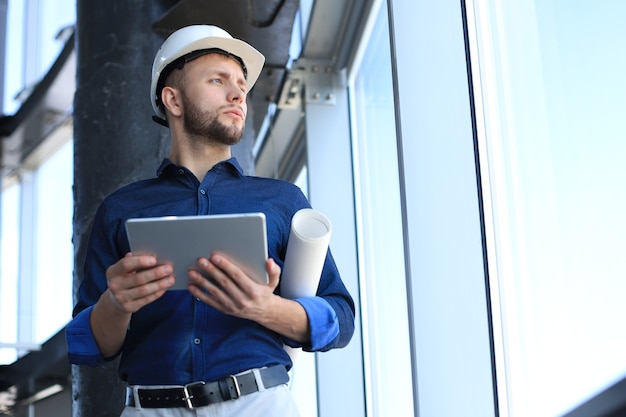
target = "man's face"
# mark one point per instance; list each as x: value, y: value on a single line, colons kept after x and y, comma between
x: 214, y: 99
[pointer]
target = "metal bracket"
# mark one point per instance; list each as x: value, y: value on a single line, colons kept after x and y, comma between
x: 292, y: 91
x: 311, y: 82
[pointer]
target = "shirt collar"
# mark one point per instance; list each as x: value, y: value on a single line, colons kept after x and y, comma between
x: 229, y: 165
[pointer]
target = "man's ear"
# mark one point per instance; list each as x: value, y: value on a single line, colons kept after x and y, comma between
x: 170, y: 97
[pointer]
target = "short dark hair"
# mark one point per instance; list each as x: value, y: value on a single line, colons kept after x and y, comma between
x: 179, y: 63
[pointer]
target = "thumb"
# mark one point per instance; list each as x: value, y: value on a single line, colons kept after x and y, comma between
x: 273, y: 271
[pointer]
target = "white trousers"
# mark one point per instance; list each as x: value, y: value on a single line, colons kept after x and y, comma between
x: 272, y: 402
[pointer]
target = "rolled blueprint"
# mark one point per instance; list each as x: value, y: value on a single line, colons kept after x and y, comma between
x: 306, y: 252
x: 304, y: 260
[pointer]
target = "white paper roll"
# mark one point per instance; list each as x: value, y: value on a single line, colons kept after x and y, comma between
x: 306, y: 253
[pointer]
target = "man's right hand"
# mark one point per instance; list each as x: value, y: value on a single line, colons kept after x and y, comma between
x: 133, y: 281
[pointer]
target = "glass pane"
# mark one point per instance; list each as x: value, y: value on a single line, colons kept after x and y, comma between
x: 32, y: 47
x: 14, y: 57
x: 58, y: 15
x: 54, y: 254
x: 553, y: 94
x: 9, y: 244
x: 381, y: 254
x: 303, y: 377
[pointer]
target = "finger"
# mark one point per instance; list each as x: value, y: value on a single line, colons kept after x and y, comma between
x: 131, y: 278
x: 155, y: 275
x: 131, y: 293
x: 273, y: 271
x: 215, y: 280
x: 226, y: 274
x: 132, y: 304
x: 208, y: 291
x: 130, y: 263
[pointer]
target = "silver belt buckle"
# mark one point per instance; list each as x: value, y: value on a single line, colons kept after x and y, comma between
x: 188, y: 397
x: 236, y: 384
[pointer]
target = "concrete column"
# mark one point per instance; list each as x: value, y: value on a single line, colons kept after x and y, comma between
x: 115, y: 142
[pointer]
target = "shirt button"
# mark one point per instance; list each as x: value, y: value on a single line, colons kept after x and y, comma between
x: 181, y: 171
x: 196, y: 341
x: 202, y: 192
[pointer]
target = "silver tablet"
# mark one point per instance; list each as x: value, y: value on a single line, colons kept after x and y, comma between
x: 182, y: 240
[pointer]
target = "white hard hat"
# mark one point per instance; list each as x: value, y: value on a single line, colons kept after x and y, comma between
x: 198, y: 38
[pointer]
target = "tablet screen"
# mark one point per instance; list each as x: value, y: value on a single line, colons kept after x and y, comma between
x: 182, y: 240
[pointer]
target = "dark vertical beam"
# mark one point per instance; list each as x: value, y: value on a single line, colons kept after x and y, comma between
x: 115, y: 142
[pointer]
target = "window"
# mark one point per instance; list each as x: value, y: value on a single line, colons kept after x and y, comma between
x: 9, y: 244
x: 31, y: 45
x: 381, y: 269
x: 303, y: 377
x: 14, y: 47
x: 37, y: 197
x: 37, y: 253
x: 551, y: 92
x: 53, y: 250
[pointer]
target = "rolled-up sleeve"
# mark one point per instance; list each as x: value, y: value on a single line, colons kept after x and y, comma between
x: 323, y: 323
x: 81, y: 344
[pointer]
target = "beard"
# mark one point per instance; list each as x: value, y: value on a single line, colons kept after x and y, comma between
x: 205, y: 124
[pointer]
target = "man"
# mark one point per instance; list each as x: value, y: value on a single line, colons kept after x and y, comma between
x: 217, y: 348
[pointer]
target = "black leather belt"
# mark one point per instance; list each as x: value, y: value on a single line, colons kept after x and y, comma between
x: 200, y: 394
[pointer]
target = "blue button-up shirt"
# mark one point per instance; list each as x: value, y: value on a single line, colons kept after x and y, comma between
x: 178, y: 339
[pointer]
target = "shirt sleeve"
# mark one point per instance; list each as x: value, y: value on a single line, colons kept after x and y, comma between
x: 81, y: 344
x: 322, y: 320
